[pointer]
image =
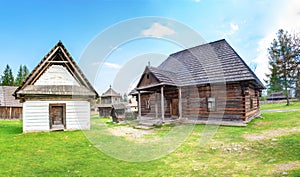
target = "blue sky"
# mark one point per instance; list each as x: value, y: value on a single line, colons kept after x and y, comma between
x: 29, y: 29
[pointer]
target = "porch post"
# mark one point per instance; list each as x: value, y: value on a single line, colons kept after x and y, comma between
x: 162, y: 104
x: 156, y: 109
x: 139, y: 105
x: 180, y: 103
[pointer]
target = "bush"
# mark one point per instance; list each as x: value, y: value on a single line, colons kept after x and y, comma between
x: 263, y: 98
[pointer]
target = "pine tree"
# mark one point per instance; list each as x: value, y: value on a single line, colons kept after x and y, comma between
x: 125, y: 97
x: 7, y: 79
x: 274, y: 82
x: 19, y: 78
x: 25, y: 72
x: 282, y: 59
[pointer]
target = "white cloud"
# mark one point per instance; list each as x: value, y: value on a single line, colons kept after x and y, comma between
x: 287, y: 20
x: 111, y: 65
x: 234, y: 27
x: 158, y: 30
x: 289, y: 17
x: 107, y: 64
x: 197, y: 0
x: 262, y: 59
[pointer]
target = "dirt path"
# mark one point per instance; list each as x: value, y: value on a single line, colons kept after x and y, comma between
x: 270, y: 134
x: 129, y: 132
x: 282, y: 168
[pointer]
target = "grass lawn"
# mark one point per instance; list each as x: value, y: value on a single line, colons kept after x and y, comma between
x: 266, y: 147
x: 280, y: 106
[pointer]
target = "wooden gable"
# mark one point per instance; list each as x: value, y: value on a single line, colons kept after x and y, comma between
x: 148, y: 78
x: 57, y: 73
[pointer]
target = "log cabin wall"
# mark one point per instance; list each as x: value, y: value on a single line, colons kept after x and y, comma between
x: 233, y: 102
x: 228, y: 102
x: 251, y: 102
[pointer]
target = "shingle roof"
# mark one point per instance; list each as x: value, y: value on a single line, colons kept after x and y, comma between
x: 67, y: 90
x: 164, y: 76
x: 208, y: 63
x: 110, y: 92
x: 6, y: 97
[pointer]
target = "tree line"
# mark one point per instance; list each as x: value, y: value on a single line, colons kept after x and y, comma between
x: 7, y: 79
x: 284, y: 64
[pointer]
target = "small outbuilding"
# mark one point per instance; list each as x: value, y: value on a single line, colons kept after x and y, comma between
x: 10, y: 108
x: 108, y: 99
x: 56, y: 95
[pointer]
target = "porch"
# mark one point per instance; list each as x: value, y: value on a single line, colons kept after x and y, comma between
x: 160, y: 102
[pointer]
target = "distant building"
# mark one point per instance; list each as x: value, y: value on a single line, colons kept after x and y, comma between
x: 108, y: 99
x: 10, y: 108
x: 278, y: 96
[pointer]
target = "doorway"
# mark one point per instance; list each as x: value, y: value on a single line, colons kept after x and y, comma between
x: 57, y: 115
x: 174, y: 108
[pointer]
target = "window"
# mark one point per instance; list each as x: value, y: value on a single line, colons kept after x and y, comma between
x: 251, y: 103
x: 211, y: 104
x: 148, y: 76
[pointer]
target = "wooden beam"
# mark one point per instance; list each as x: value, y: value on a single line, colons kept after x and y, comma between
x: 139, y: 105
x: 162, y: 104
x: 57, y: 61
x: 179, y: 103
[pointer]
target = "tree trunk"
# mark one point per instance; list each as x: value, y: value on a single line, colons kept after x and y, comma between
x: 287, y: 100
x: 287, y: 97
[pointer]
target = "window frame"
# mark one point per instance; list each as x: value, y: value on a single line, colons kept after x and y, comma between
x: 211, y: 104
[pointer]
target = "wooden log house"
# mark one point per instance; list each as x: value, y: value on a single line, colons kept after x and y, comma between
x: 10, y: 108
x: 208, y: 82
x: 56, y: 94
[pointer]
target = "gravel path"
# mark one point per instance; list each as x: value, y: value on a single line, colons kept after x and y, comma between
x: 270, y: 134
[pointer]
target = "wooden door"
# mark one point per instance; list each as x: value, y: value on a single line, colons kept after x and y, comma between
x: 57, y: 116
x: 174, y: 107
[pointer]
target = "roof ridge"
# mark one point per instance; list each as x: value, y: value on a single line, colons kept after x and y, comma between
x: 161, y: 69
x: 201, y: 45
x: 110, y: 91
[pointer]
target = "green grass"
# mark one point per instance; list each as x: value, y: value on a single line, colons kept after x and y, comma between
x: 71, y: 154
x: 280, y: 106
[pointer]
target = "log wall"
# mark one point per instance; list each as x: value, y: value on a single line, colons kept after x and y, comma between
x: 233, y: 101
x: 10, y: 113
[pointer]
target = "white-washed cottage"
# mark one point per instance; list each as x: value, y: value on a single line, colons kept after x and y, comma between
x: 56, y: 95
